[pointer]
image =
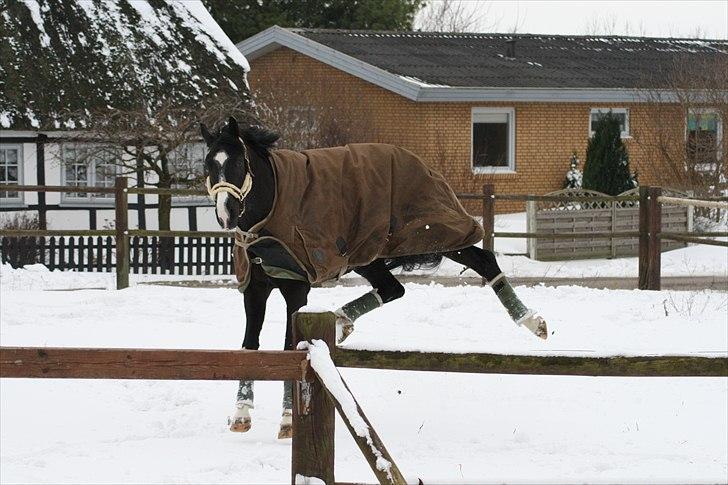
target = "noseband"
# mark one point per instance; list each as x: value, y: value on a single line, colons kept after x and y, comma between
x: 238, y: 192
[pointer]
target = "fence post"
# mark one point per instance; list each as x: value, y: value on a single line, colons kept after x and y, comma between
x: 313, y: 410
x: 488, y: 215
x: 650, y: 247
x: 122, y: 226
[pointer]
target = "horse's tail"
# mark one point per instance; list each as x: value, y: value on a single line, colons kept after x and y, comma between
x: 416, y: 262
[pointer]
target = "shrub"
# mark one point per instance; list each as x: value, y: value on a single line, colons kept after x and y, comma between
x: 607, y: 161
x: 19, y: 251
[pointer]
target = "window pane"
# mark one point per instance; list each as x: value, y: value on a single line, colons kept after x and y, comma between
x: 596, y: 117
x: 702, y: 140
x: 12, y: 175
x: 490, y: 144
x: 105, y: 175
x: 11, y: 157
x: 9, y: 170
x: 188, y: 163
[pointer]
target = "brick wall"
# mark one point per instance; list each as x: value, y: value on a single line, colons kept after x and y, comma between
x: 546, y: 133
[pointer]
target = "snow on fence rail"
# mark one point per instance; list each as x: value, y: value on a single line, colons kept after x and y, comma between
x: 127, y: 247
x: 318, y: 390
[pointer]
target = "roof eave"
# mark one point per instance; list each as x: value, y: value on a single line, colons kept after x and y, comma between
x: 276, y: 37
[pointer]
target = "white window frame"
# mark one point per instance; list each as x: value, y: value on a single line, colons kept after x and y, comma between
x: 193, y: 199
x: 511, y: 112
x: 719, y: 135
x: 19, y: 199
x: 93, y: 198
x: 623, y: 134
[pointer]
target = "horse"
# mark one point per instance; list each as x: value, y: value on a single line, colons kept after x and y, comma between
x: 250, y: 183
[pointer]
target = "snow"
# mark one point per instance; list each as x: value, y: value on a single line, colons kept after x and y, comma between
x: 422, y: 83
x: 320, y: 358
x: 209, y: 32
x: 301, y: 480
x: 441, y: 427
x: 35, y: 13
x: 313, y: 309
x: 6, y: 120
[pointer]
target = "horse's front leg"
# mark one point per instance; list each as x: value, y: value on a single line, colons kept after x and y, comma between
x: 254, y: 298
x: 296, y: 295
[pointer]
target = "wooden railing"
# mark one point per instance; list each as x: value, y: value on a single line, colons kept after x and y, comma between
x: 313, y: 403
x: 140, y: 250
x: 650, y: 230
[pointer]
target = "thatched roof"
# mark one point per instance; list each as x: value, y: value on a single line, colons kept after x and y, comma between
x: 61, y: 61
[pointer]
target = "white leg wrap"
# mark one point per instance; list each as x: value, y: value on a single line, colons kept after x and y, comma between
x: 240, y: 421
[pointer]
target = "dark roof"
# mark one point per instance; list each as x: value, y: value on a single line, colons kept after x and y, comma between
x: 540, y: 61
x: 58, y: 59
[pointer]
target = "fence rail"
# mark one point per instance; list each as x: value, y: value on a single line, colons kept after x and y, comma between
x: 209, y: 252
x: 314, y: 406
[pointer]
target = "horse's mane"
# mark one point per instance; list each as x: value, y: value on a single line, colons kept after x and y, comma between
x: 259, y: 138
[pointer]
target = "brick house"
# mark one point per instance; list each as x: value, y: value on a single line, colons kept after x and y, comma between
x: 506, y: 109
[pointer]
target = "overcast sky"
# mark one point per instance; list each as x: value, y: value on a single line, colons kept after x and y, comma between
x: 663, y: 18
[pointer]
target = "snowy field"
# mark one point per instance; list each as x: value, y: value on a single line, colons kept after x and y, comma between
x: 441, y: 427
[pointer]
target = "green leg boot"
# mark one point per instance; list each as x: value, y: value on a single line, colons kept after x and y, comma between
x: 516, y: 309
x: 346, y: 315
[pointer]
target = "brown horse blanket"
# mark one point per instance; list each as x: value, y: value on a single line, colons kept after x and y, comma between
x: 343, y: 207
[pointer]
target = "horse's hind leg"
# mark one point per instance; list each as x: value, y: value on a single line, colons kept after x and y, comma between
x: 386, y: 289
x: 483, y: 262
x: 296, y: 295
x: 254, y: 298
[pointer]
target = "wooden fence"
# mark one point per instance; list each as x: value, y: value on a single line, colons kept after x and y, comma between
x: 615, y: 216
x: 313, y: 405
x: 189, y: 252
x: 147, y: 254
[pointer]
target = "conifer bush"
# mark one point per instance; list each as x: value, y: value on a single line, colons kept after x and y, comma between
x: 607, y: 161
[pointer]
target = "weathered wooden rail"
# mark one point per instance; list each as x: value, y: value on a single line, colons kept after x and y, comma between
x: 650, y: 229
x: 483, y: 363
x: 313, y: 405
x: 133, y: 252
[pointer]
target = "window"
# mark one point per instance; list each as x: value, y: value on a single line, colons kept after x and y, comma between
x: 704, y: 136
x: 11, y: 162
x: 622, y: 115
x: 88, y: 166
x: 187, y: 162
x: 493, y: 139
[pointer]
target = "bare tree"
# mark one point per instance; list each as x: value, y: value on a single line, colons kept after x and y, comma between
x: 313, y: 116
x: 601, y: 25
x: 151, y: 144
x: 452, y: 16
x: 683, y: 133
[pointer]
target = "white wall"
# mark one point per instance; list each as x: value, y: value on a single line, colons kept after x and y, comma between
x: 79, y: 219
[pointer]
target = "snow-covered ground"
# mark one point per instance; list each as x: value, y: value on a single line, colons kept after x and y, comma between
x: 442, y: 427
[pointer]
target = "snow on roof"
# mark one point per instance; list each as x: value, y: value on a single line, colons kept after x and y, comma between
x: 89, y: 55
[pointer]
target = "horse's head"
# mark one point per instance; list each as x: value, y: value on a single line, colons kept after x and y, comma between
x: 229, y: 178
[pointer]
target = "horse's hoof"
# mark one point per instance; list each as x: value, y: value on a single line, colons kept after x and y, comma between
x: 240, y: 425
x: 286, y: 429
x: 285, y: 432
x: 241, y: 422
x: 344, y: 327
x: 534, y: 323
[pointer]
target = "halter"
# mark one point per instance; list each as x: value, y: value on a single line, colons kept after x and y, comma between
x: 238, y: 192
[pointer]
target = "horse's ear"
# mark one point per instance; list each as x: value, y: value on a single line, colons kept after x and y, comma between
x: 206, y: 135
x: 233, y: 127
